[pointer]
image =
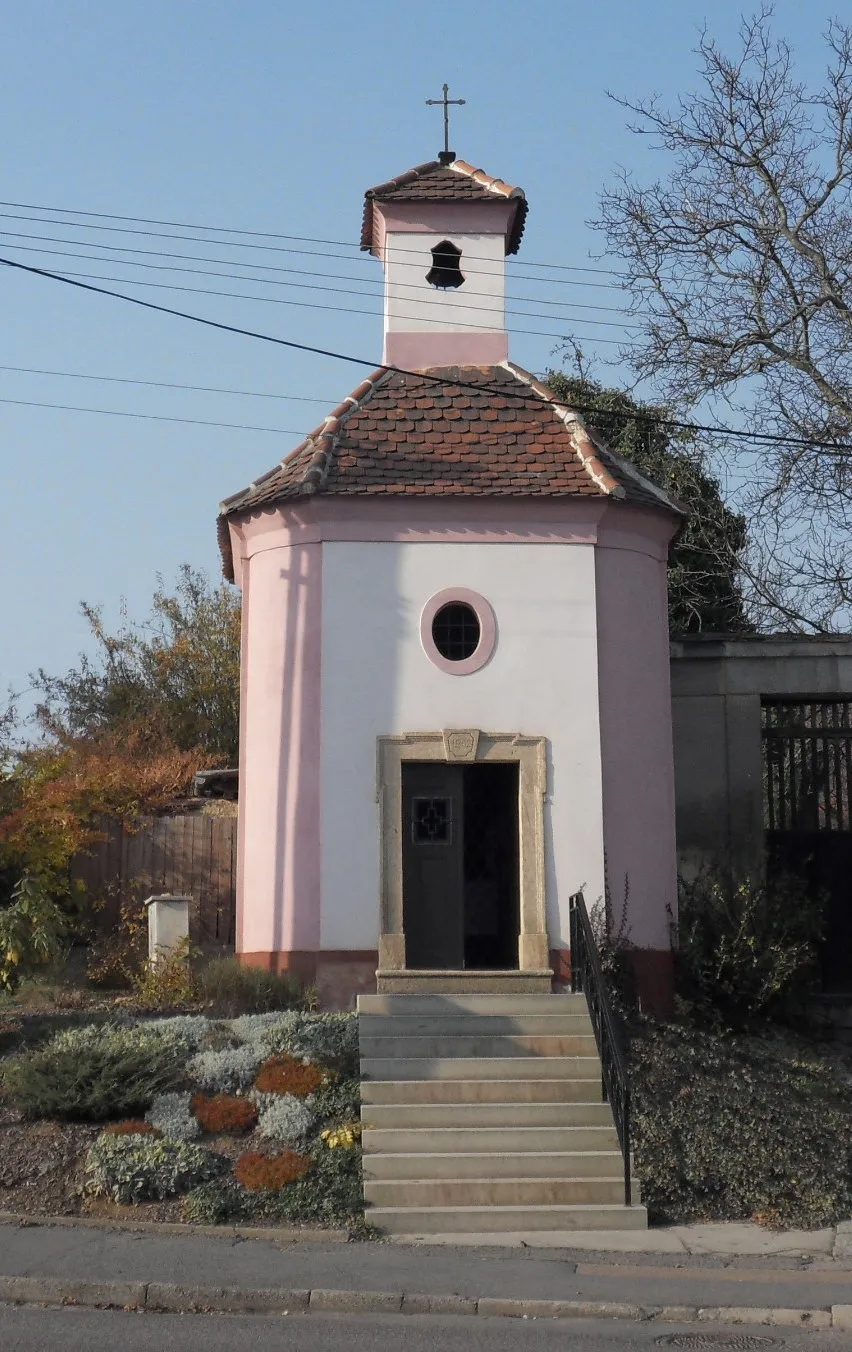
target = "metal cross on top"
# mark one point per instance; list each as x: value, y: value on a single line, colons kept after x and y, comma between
x: 446, y: 102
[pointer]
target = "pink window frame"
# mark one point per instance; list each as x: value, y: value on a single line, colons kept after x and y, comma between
x: 487, y: 630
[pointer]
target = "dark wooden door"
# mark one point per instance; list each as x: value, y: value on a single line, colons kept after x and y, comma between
x: 433, y: 865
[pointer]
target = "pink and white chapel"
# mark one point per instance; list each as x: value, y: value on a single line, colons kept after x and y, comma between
x: 455, y: 671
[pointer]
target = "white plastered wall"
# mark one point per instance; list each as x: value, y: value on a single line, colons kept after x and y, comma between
x: 411, y: 305
x: 376, y: 680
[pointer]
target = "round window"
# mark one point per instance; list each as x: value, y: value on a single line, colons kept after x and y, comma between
x: 456, y: 631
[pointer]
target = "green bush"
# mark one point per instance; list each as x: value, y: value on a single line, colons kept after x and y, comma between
x: 229, y: 989
x: 93, y: 1073
x: 329, y: 1040
x: 144, y: 1168
x: 336, y: 1101
x: 331, y: 1194
x: 34, y: 932
x: 732, y: 1128
x: 744, y: 951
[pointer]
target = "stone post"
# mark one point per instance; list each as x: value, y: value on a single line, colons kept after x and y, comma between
x: 168, y: 925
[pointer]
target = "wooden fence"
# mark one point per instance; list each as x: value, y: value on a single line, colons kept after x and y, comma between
x: 191, y: 854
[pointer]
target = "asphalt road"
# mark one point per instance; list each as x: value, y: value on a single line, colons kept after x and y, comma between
x: 32, y: 1329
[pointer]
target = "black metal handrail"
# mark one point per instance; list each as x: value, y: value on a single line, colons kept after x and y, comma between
x: 587, y: 976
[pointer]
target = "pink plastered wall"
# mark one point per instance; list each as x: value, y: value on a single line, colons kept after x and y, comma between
x: 278, y: 872
x: 636, y: 722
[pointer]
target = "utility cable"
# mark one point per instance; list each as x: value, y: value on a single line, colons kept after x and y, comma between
x: 251, y: 234
x: 426, y: 376
x: 151, y: 417
x: 271, y: 281
x: 168, y: 385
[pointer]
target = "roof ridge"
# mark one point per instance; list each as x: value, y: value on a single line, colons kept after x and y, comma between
x: 578, y: 433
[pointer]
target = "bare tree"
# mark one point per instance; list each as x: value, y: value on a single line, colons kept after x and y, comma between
x: 739, y: 266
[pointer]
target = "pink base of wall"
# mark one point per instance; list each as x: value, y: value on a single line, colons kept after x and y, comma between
x: 653, y: 971
x: 338, y: 974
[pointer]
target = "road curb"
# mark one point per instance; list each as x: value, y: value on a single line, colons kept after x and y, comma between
x: 164, y: 1297
x: 275, y: 1234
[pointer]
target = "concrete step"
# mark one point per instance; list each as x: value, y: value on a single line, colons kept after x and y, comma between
x: 472, y: 1004
x: 473, y: 1220
x: 496, y: 1166
x: 487, y: 1046
x: 512, y: 1191
x: 495, y: 1090
x: 481, y: 1068
x: 464, y: 1024
x: 411, y: 1118
x: 485, y: 1140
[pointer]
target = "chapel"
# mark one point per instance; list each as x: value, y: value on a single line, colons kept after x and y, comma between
x: 455, y: 696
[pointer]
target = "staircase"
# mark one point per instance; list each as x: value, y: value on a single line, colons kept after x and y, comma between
x: 483, y: 1113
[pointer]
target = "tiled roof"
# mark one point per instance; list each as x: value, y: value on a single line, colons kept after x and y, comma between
x: 438, y: 182
x: 490, y: 431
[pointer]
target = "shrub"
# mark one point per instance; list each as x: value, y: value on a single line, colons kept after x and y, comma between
x: 331, y: 1194
x: 344, y: 1137
x: 171, y: 1114
x: 33, y: 932
x: 132, y: 1127
x: 142, y: 1168
x: 268, y: 1173
x: 223, y: 1114
x: 255, y: 1027
x: 329, y: 1039
x: 743, y: 950
x: 728, y: 1128
x: 92, y: 1073
x: 229, y: 989
x: 166, y: 982
x: 337, y: 1100
x: 219, y: 1202
x: 223, y: 1072
x: 116, y: 958
x: 286, y: 1075
x: 191, y: 1030
x: 284, y: 1118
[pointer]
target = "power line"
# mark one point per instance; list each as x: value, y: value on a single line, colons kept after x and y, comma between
x: 464, y: 325
x: 168, y: 385
x: 251, y: 234
x: 151, y: 417
x: 311, y: 253
x: 297, y: 272
x: 427, y: 376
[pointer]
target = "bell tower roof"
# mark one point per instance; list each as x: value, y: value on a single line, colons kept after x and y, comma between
x: 442, y: 181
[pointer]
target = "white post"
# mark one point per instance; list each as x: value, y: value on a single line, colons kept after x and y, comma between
x: 168, y: 926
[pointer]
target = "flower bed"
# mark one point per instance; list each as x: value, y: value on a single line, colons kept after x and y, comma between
x: 248, y: 1118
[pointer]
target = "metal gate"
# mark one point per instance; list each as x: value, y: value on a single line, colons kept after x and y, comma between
x: 807, y: 782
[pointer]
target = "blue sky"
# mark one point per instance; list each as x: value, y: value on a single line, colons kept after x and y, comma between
x: 271, y: 118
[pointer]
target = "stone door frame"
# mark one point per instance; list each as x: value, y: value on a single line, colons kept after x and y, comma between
x: 465, y: 745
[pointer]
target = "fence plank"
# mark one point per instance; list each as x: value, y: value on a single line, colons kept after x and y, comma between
x: 190, y: 854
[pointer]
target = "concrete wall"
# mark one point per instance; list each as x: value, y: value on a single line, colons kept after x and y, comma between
x: 377, y: 680
x: 717, y: 685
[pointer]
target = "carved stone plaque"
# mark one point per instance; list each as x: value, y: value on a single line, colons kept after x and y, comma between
x: 460, y: 744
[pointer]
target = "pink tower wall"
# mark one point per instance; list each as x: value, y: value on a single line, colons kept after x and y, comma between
x: 636, y: 739
x: 278, y: 865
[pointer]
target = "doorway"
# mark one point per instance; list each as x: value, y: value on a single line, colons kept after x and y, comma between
x: 460, y: 865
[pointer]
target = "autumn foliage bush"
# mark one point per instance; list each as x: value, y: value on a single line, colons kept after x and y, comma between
x: 268, y: 1173
x: 223, y: 1113
x: 286, y: 1075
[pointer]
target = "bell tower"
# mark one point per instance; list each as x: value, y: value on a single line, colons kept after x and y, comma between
x: 442, y: 232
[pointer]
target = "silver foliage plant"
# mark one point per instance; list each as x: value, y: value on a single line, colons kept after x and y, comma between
x: 284, y: 1118
x: 226, y: 1071
x: 142, y: 1168
x: 172, y: 1115
x: 188, y: 1029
